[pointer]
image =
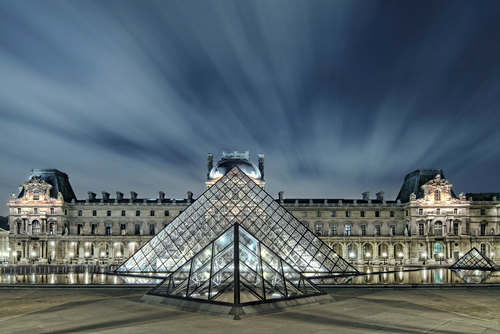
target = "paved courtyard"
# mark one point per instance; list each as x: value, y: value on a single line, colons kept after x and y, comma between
x: 355, y: 310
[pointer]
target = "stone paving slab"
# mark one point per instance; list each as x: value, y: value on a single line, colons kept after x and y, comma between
x: 354, y: 311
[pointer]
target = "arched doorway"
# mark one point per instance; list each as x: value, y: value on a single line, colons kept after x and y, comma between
x: 438, y: 250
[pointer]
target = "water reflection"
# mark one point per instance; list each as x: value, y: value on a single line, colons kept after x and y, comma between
x: 75, y: 278
x: 418, y: 276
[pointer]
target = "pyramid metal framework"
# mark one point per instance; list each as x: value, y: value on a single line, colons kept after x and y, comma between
x: 235, y: 198
x: 473, y: 259
x: 472, y: 275
x: 238, y: 270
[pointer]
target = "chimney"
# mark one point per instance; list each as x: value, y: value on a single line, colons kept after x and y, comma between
x: 366, y: 196
x: 380, y: 196
x: 190, y: 197
x: 261, y: 165
x: 210, y: 163
x: 133, y: 195
x: 280, y: 196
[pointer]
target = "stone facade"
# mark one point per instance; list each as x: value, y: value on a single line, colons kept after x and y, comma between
x: 427, y: 222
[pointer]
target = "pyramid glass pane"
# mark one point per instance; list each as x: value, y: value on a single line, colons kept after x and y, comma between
x: 213, y: 277
x: 235, y: 198
x: 473, y: 260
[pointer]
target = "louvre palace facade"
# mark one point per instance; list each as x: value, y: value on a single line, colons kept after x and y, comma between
x: 426, y: 223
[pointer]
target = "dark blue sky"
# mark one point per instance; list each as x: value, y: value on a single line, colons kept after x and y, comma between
x: 340, y: 96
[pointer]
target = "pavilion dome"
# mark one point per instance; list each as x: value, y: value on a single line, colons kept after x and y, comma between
x: 228, y: 161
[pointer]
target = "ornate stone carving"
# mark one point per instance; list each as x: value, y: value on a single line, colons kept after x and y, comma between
x: 413, y: 197
x: 36, y: 184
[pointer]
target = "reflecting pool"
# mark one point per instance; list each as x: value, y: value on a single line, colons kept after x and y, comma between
x: 75, y: 278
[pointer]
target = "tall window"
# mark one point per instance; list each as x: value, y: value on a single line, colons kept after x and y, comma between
x: 152, y: 213
x: 108, y: 231
x: 123, y: 213
x: 80, y: 213
x: 455, y: 228
x: 455, y: 211
x: 438, y: 211
x: 483, y: 212
x: 304, y: 213
x: 437, y: 195
x: 377, y: 229
x: 348, y: 213
x: 348, y: 229
x: 333, y: 230
x: 18, y: 211
x: 167, y: 213
x: 332, y: 214
x: 318, y: 213
x: 362, y: 230
x: 377, y: 213
x: 35, y: 211
x: 392, y: 230
x: 483, y: 249
x: 152, y: 229
x: 94, y: 229
x: 318, y: 229
x: 137, y: 230
x: 51, y: 211
x: 406, y: 212
x: 362, y: 213
x: 94, y: 213
x: 79, y: 229
x: 36, y: 227
x: 108, y: 213
x: 36, y: 195
x: 123, y: 229
x: 438, y: 248
x: 420, y: 229
x: 483, y: 229
x: 391, y: 214
x: 438, y: 229
x: 420, y: 211
x: 138, y: 213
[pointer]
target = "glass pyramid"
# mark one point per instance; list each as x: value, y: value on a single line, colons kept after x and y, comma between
x: 473, y: 260
x: 236, y: 269
x: 472, y: 276
x: 235, y: 198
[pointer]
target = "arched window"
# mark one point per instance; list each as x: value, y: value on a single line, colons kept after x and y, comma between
x: 437, y: 195
x: 438, y: 249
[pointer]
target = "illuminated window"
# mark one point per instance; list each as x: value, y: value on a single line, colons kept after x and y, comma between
x: 362, y: 213
x: 332, y: 213
x: 80, y: 213
x: 152, y: 213
x: 318, y: 229
x: 108, y: 232
x: 377, y: 213
x: 94, y: 213
x: 123, y: 229
x: 333, y: 230
x: 108, y: 213
x: 437, y: 195
x: 348, y: 230
x: 391, y: 214
x: 137, y: 213
x: 123, y: 213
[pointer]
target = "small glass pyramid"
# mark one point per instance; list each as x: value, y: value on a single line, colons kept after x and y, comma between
x: 473, y: 260
x: 235, y: 198
x: 236, y: 269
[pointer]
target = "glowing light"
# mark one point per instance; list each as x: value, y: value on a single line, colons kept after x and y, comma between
x: 384, y: 255
x: 352, y: 255
x: 424, y: 254
x: 87, y: 254
x: 52, y: 243
x: 118, y: 254
x: 400, y: 254
x: 71, y: 254
x: 102, y: 254
x: 34, y: 253
x: 367, y: 254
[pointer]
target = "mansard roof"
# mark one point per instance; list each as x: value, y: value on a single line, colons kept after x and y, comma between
x: 57, y: 179
x: 415, y: 180
x: 291, y: 201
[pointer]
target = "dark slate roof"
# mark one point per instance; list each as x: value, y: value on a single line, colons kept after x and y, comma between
x: 483, y: 196
x: 290, y: 201
x: 57, y: 179
x: 4, y: 223
x: 414, y: 181
x: 136, y: 201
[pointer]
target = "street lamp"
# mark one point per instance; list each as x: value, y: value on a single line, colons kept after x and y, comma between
x: 384, y: 255
x: 400, y: 258
x: 424, y: 256
x: 368, y: 257
x: 352, y: 255
x: 440, y: 258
